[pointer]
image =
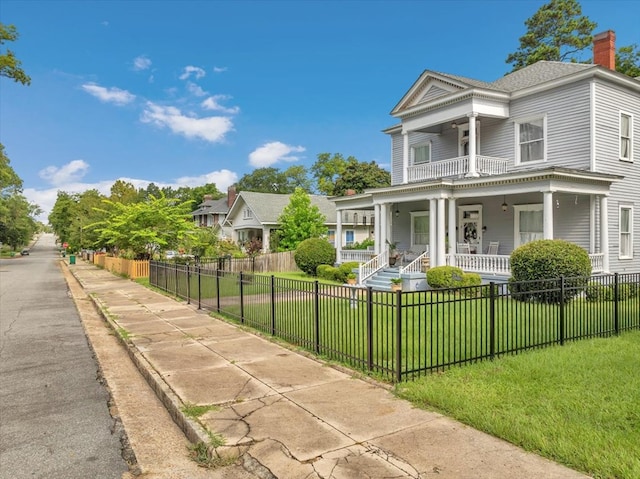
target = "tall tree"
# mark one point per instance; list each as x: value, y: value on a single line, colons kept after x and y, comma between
x: 123, y: 192
x: 272, y: 180
x: 359, y: 176
x: 628, y: 60
x: 327, y: 169
x: 9, y: 64
x: 557, y: 32
x: 299, y: 221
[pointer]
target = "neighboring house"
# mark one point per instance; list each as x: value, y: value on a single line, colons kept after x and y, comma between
x: 213, y: 213
x: 255, y: 216
x: 550, y: 151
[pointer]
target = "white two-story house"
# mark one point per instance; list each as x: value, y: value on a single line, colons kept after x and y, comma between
x: 551, y: 151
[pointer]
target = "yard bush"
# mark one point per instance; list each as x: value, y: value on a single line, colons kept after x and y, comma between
x: 536, y: 266
x: 442, y: 277
x: 313, y: 252
x: 325, y: 271
x: 345, y: 269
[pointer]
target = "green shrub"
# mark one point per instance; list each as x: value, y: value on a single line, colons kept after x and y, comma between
x: 325, y: 271
x: 596, y: 291
x: 313, y: 252
x: 536, y: 266
x: 344, y: 269
x: 442, y: 277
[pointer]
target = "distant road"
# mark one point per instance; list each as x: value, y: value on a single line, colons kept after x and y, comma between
x: 54, y: 417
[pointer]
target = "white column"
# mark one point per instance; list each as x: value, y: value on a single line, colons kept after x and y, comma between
x: 547, y: 215
x: 604, y: 232
x: 452, y: 226
x: 472, y: 145
x: 338, y: 240
x: 405, y: 157
x: 266, y: 237
x: 377, y: 232
x: 433, y: 247
x: 592, y: 224
x: 441, y: 236
x: 384, y: 227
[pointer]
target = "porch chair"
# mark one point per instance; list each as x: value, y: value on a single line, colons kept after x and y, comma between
x: 493, y: 247
x: 463, y: 248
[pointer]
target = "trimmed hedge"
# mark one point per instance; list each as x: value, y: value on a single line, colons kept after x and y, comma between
x: 313, y: 252
x: 445, y: 277
x: 536, y: 266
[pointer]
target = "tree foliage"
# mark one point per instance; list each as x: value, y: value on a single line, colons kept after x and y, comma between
x: 628, y: 60
x: 9, y: 64
x: 556, y: 32
x: 299, y: 221
x: 359, y: 176
x: 272, y: 180
x: 327, y: 169
x: 143, y: 227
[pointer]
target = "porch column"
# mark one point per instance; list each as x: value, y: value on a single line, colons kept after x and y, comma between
x: 384, y: 226
x: 441, y: 236
x: 338, y: 239
x: 433, y: 247
x: 266, y: 238
x: 377, y: 234
x: 452, y: 228
x: 547, y: 215
x: 592, y: 224
x: 472, y: 145
x: 604, y: 232
x: 405, y: 157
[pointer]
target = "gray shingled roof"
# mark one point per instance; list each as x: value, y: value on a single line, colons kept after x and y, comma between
x: 267, y: 207
x: 218, y: 206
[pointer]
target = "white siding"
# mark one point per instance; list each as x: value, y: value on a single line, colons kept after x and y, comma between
x: 396, y: 158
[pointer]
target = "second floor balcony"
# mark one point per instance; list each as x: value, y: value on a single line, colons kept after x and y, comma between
x: 457, y: 167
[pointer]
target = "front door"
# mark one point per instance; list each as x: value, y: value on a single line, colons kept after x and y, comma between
x: 470, y: 227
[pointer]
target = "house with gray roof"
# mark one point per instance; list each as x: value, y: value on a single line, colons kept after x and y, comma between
x: 551, y: 151
x: 255, y: 215
x: 212, y: 213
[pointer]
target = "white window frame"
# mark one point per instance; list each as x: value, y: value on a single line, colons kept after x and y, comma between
x: 516, y: 220
x: 247, y: 214
x: 413, y: 153
x: 331, y: 236
x: 353, y: 235
x: 622, y: 136
x: 625, y: 254
x: 545, y: 139
x: 413, y: 215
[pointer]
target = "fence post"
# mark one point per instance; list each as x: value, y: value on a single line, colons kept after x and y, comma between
x: 241, y: 298
x: 616, y: 297
x: 199, y: 286
x: 561, y: 310
x: 273, y: 305
x: 188, y: 284
x: 166, y: 277
x: 492, y: 320
x: 175, y: 268
x: 316, y: 315
x: 369, y: 328
x: 399, y: 336
x: 218, y: 290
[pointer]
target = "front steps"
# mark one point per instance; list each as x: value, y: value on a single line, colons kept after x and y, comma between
x: 381, y: 281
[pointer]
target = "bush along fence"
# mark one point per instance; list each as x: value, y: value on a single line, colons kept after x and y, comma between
x: 401, y: 335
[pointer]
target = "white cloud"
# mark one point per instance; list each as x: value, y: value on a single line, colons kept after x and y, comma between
x: 72, y: 171
x: 212, y: 129
x: 211, y: 103
x: 195, y: 89
x: 109, y: 95
x: 222, y: 179
x: 141, y: 63
x: 189, y: 70
x: 272, y: 152
x: 219, y: 69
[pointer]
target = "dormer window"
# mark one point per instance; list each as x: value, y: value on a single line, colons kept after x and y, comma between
x: 247, y: 214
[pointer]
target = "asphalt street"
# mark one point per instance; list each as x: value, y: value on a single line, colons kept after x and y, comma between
x: 54, y: 412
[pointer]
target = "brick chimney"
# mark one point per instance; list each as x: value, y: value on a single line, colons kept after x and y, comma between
x: 231, y: 195
x: 604, y: 49
x: 350, y: 192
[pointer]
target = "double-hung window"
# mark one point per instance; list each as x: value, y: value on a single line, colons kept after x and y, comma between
x: 626, y: 137
x: 625, y: 250
x: 530, y: 138
x: 528, y: 223
x: 422, y: 153
x: 349, y: 237
x: 419, y: 230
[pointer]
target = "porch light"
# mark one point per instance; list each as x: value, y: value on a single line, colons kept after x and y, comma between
x: 505, y: 206
x: 397, y: 212
x: 454, y: 125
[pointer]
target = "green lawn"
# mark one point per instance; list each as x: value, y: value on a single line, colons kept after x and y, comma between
x: 578, y: 404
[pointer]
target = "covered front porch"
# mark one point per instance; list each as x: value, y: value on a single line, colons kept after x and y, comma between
x: 475, y: 223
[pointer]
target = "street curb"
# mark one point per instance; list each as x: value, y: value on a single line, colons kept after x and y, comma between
x: 193, y: 431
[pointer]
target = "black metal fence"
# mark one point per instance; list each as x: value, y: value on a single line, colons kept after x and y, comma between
x: 401, y: 335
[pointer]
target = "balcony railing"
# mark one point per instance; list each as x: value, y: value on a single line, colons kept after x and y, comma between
x: 485, y: 165
x: 500, y: 264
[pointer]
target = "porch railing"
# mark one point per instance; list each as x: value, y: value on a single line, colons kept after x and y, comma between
x: 481, y: 263
x: 416, y: 265
x: 359, y: 255
x: 597, y: 262
x: 368, y: 269
x: 485, y: 165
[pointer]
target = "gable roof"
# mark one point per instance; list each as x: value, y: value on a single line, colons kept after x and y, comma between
x: 218, y: 206
x: 267, y: 207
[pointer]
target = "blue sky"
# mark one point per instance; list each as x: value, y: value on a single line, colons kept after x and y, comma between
x: 190, y: 92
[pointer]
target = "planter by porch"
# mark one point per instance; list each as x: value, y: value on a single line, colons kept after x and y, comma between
x: 396, y: 287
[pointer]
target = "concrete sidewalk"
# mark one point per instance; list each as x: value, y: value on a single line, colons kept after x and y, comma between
x: 287, y: 415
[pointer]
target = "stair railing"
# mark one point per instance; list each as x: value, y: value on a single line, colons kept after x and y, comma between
x: 371, y: 267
